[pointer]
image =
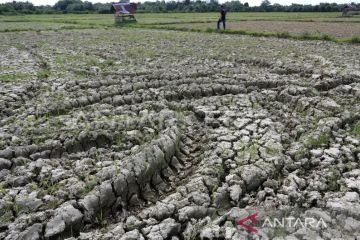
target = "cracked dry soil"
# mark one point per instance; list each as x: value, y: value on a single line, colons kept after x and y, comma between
x: 139, y: 134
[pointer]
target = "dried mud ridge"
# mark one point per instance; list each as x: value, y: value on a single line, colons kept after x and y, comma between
x: 176, y: 149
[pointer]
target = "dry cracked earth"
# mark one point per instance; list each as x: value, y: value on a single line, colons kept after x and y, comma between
x: 156, y: 135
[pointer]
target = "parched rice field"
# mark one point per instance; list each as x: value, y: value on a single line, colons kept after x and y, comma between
x: 130, y: 133
x: 343, y: 29
x: 34, y: 26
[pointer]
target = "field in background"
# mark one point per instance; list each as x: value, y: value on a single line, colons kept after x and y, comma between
x: 325, y: 26
x: 336, y: 29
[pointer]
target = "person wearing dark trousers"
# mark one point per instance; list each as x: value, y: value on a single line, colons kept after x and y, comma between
x: 222, y: 17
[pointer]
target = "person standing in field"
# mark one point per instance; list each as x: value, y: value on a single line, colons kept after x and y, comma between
x: 222, y: 17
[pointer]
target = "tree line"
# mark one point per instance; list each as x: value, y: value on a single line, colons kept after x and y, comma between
x: 78, y: 6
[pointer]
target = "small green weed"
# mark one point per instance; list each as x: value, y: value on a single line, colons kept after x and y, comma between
x: 315, y: 142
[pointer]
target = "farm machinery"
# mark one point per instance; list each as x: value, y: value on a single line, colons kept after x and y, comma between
x: 124, y: 12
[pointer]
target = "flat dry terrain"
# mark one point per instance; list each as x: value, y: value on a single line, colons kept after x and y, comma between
x: 343, y: 29
x: 312, y: 24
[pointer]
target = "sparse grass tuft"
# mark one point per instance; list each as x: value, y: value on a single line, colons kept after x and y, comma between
x: 2, y: 188
x: 332, y: 179
x: 283, y: 35
x: 356, y: 129
x: 355, y: 39
x: 20, y: 46
x: 52, y: 204
x: 120, y: 141
x: 315, y: 142
x: 253, y: 151
x: 5, y: 218
x: 109, y: 62
x: 92, y: 61
x: 13, y: 77
x: 49, y: 186
x: 101, y: 220
x: 2, y: 144
x: 141, y: 52
x: 43, y: 73
x: 327, y: 37
x: 90, y: 182
x: 59, y: 60
x: 180, y: 116
x: 305, y: 36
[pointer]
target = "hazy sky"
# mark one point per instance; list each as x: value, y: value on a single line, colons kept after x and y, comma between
x: 251, y: 2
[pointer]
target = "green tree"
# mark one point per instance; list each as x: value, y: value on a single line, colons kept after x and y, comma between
x: 265, y: 6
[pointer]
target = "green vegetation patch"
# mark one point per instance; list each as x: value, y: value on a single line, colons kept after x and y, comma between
x: 318, y: 141
x: 43, y: 73
x: 356, y: 129
x: 13, y: 77
x: 354, y: 39
x: 141, y: 52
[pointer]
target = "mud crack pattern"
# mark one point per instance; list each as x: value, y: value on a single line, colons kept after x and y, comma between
x: 136, y: 134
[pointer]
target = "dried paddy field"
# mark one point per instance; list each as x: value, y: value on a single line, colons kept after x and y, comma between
x: 152, y: 134
x: 306, y: 26
x: 336, y: 29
